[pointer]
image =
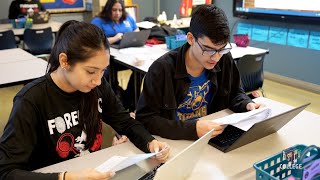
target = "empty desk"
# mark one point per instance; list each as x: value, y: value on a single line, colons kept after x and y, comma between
x: 18, y: 66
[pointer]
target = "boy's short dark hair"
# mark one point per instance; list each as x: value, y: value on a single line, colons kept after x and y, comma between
x: 210, y: 21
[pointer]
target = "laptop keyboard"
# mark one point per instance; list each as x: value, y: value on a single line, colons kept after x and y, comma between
x: 150, y: 175
x: 228, y: 136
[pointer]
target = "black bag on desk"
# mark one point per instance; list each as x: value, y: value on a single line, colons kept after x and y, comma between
x: 161, y: 32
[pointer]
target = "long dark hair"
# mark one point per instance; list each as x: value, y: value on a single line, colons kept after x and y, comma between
x: 80, y: 41
x: 106, y: 13
x: 210, y: 21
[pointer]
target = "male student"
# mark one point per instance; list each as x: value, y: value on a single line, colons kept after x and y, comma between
x: 192, y: 81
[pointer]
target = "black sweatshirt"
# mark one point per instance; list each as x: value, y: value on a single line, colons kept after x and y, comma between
x: 43, y: 128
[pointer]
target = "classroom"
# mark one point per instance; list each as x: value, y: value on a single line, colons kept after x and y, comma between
x: 159, y: 89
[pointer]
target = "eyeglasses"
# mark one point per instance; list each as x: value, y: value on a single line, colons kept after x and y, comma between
x: 214, y: 51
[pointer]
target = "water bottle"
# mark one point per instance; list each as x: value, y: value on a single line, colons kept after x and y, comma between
x: 174, y: 20
x: 164, y: 15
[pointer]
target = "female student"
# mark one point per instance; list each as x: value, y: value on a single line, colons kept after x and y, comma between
x: 59, y: 116
x: 114, y: 21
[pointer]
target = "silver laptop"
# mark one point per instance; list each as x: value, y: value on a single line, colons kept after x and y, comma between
x: 233, y: 137
x: 185, y: 160
x: 133, y: 39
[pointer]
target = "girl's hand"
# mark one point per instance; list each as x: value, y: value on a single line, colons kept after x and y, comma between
x: 156, y: 146
x: 121, y: 140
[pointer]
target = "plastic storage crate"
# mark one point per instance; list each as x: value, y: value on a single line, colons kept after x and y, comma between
x: 275, y: 167
x: 174, y: 42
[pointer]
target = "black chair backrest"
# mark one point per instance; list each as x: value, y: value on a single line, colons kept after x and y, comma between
x: 7, y: 40
x: 251, y: 71
x: 39, y: 41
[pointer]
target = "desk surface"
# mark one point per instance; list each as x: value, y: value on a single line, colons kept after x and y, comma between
x: 53, y: 24
x: 17, y: 65
x: 20, y: 71
x: 214, y: 164
x: 14, y: 55
x: 179, y: 23
x: 148, y: 54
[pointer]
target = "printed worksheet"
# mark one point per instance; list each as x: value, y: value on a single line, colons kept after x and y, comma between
x: 245, y: 120
x: 117, y: 163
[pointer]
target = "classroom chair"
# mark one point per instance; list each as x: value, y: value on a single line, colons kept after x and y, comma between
x: 7, y: 40
x: 251, y: 72
x: 38, y: 41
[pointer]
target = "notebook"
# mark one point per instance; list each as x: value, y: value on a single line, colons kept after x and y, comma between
x: 181, y: 165
x: 233, y: 137
x: 133, y: 39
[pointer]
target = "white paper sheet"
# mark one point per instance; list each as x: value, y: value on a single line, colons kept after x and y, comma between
x: 146, y: 24
x: 117, y: 163
x: 245, y: 120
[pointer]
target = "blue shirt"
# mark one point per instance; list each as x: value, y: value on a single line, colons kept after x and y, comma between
x: 111, y: 28
x: 195, y: 104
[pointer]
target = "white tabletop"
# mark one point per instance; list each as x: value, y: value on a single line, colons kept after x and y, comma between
x: 53, y: 24
x: 14, y: 55
x: 214, y: 164
x: 179, y: 23
x: 142, y: 57
x: 22, y: 70
x: 238, y: 52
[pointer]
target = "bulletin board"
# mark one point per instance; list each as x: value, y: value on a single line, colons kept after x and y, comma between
x: 301, y: 38
x: 62, y: 6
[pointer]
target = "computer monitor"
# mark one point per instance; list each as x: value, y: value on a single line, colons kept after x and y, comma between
x: 286, y: 10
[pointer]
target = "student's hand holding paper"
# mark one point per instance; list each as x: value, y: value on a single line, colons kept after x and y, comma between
x: 205, y: 126
x: 156, y: 146
x: 252, y: 106
x: 87, y: 174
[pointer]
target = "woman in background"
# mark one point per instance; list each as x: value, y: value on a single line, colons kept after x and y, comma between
x: 114, y: 21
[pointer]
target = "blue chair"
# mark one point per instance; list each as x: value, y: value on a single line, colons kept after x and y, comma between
x: 251, y: 72
x: 38, y: 41
x: 7, y: 40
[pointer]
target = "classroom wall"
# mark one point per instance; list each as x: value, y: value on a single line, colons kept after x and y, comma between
x: 4, y: 8
x: 293, y: 62
x: 146, y: 8
x: 152, y: 8
x: 170, y: 7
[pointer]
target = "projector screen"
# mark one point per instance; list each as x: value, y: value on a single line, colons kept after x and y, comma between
x: 285, y: 10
